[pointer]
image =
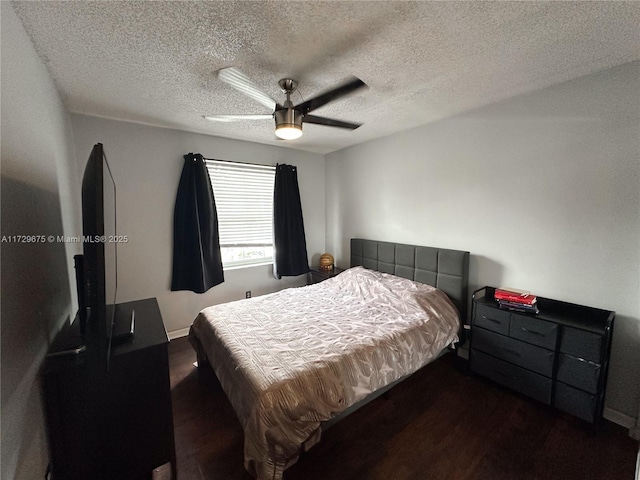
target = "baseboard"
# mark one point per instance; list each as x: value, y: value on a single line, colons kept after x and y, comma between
x: 618, y: 417
x: 183, y: 332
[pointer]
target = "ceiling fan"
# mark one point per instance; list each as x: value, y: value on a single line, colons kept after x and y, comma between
x: 288, y: 118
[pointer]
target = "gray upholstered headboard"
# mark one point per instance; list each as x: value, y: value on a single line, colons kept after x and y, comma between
x: 445, y: 269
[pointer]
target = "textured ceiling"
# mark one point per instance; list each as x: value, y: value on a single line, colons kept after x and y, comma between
x: 155, y: 62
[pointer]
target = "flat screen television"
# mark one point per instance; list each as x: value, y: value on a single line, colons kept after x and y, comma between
x: 99, y: 263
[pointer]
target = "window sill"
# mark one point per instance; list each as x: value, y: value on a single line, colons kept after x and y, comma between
x: 248, y: 265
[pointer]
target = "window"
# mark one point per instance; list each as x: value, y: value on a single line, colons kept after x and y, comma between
x: 244, y: 201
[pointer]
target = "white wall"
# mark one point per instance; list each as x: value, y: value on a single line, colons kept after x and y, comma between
x: 542, y: 189
x: 146, y: 163
x: 39, y: 197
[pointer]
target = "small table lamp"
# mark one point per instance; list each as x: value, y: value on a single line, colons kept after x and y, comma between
x: 326, y: 261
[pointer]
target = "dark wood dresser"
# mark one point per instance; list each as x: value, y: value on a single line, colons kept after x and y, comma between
x: 114, y: 424
x: 559, y: 357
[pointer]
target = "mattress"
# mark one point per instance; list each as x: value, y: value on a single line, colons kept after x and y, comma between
x: 291, y: 360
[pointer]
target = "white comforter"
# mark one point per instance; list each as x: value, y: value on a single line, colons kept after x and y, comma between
x: 292, y: 359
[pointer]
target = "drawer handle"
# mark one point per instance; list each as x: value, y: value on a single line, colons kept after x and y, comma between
x: 534, y: 332
x: 491, y: 319
x: 505, y: 375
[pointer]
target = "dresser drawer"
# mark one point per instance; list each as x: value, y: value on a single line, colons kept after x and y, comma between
x: 534, y: 331
x: 538, y: 359
x: 492, y: 319
x: 581, y: 344
x: 576, y: 402
x: 526, y: 382
x: 578, y: 372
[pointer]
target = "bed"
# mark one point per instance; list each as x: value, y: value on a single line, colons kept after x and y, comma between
x: 295, y: 361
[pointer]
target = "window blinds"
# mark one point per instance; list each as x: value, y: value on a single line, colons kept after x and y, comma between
x: 244, y: 201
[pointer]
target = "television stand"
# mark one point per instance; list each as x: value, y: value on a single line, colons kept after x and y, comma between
x: 118, y: 424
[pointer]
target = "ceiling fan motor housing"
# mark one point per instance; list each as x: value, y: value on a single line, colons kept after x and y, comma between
x: 288, y: 117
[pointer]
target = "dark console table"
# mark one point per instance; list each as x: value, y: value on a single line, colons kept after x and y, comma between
x: 115, y: 424
x: 559, y: 356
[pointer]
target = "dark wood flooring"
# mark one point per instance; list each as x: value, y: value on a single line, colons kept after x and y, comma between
x: 439, y: 424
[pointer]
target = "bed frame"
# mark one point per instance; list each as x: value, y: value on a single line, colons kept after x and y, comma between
x: 445, y: 269
x: 442, y: 268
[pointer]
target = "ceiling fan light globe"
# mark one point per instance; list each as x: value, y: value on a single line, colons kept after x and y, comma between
x: 288, y: 123
x: 289, y: 131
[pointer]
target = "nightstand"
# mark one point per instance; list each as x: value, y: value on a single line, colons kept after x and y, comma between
x: 316, y: 275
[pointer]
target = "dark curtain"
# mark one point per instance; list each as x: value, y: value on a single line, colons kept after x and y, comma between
x: 197, y: 264
x: 288, y: 227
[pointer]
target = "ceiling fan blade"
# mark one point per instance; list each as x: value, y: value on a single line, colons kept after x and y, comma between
x: 330, y: 122
x: 237, y: 118
x: 242, y: 83
x: 324, y: 98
